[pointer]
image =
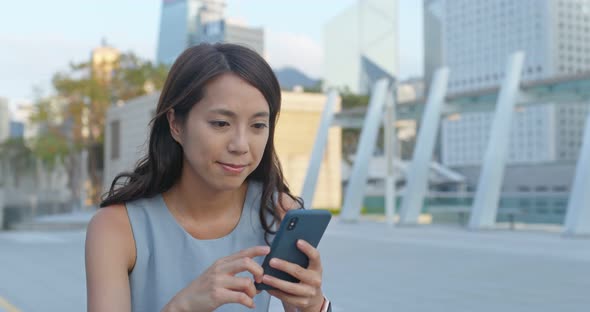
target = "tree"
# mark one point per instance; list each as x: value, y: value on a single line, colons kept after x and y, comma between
x: 350, y: 137
x: 17, y: 157
x: 317, y: 88
x: 86, y: 97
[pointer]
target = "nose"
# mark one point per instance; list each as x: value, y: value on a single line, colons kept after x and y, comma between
x: 238, y: 143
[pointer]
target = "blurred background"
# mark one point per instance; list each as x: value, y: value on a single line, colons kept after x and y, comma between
x: 80, y: 80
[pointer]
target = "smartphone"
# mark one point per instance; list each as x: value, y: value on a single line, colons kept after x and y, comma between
x: 308, y: 225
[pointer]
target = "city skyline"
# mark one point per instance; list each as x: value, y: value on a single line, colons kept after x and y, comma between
x: 38, y: 50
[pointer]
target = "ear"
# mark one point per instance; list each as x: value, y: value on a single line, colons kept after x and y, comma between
x: 175, y: 126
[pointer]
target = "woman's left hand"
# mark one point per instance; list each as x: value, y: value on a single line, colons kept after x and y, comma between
x: 307, y: 294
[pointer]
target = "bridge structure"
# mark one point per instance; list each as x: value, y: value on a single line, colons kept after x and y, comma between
x: 383, y: 111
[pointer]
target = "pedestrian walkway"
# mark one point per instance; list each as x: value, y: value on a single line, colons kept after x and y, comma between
x: 76, y: 220
x: 368, y: 266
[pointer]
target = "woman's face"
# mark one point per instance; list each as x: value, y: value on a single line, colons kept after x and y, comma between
x: 225, y: 134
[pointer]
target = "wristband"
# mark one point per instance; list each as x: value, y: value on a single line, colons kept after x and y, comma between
x: 327, y: 306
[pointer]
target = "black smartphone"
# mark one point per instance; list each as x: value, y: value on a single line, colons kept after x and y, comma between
x: 308, y: 225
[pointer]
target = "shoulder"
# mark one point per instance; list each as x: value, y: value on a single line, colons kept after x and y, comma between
x: 286, y: 203
x: 109, y: 231
x: 110, y: 255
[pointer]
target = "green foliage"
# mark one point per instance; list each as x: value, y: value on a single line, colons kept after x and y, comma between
x: 350, y: 100
x: 75, y: 117
x: 88, y: 95
x: 16, y: 155
x: 317, y: 88
x: 350, y: 137
x: 51, y: 148
x: 135, y: 77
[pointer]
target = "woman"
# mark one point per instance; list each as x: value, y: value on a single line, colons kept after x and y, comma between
x: 188, y: 228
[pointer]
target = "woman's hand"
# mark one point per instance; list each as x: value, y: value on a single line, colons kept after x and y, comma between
x: 307, y: 294
x: 218, y: 285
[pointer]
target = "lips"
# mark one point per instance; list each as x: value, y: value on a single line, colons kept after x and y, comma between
x: 232, y: 168
x: 232, y: 165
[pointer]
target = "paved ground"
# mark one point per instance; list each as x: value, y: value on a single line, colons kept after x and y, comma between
x: 368, y: 267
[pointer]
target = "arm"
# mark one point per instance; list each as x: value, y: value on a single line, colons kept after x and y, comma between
x: 110, y: 255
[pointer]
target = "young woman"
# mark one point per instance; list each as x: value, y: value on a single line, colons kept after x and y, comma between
x: 188, y: 228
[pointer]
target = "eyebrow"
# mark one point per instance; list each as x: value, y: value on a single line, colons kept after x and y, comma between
x: 229, y: 113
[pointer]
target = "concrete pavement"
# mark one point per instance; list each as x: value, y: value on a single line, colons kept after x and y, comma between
x: 368, y: 266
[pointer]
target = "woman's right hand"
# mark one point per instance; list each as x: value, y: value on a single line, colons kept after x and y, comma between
x: 218, y: 285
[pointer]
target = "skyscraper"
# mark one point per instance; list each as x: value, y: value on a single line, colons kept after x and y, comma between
x: 226, y: 31
x: 184, y: 23
x: 360, y: 46
x: 4, y: 120
x: 475, y: 37
x: 104, y: 61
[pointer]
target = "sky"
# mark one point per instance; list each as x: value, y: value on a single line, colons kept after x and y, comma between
x: 39, y: 38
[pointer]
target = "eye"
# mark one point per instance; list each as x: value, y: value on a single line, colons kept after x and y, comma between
x: 260, y: 125
x: 219, y: 123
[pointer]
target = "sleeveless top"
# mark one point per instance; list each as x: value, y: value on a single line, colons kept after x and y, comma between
x: 169, y: 258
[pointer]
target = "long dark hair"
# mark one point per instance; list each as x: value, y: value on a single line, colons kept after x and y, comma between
x: 160, y: 169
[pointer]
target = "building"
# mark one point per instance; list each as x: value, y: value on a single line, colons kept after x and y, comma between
x: 21, y: 115
x: 539, y: 134
x: 410, y: 90
x: 127, y: 131
x: 104, y: 60
x: 545, y: 141
x: 4, y: 120
x: 227, y: 31
x: 433, y: 39
x: 185, y: 23
x: 17, y: 129
x: 475, y: 37
x: 177, y: 28
x: 360, y: 46
x: 295, y: 136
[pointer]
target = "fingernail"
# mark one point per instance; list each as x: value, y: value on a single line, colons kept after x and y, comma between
x: 274, y: 261
x: 300, y: 242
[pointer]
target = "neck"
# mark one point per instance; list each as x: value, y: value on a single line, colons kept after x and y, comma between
x: 197, y: 200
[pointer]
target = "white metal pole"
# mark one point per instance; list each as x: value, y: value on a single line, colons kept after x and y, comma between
x: 577, y: 220
x: 389, y: 138
x: 487, y: 196
x: 357, y: 181
x: 417, y: 177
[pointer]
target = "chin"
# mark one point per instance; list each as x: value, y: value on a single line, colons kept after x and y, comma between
x: 231, y: 184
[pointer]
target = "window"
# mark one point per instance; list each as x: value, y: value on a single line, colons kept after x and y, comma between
x: 115, y: 139
x: 541, y: 188
x: 560, y: 188
x: 523, y: 188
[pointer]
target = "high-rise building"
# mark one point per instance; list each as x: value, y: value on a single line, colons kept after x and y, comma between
x: 475, y: 37
x: 410, y: 90
x: 105, y: 59
x: 539, y: 134
x: 226, y: 31
x: 433, y: 39
x: 17, y: 129
x: 185, y: 23
x: 4, y: 120
x: 360, y: 46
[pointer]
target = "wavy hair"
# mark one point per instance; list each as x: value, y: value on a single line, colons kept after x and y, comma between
x: 161, y: 167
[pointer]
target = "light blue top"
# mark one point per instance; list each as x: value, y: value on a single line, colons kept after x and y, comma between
x: 169, y: 258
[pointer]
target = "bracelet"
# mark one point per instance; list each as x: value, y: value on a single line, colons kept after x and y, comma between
x: 327, y: 306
